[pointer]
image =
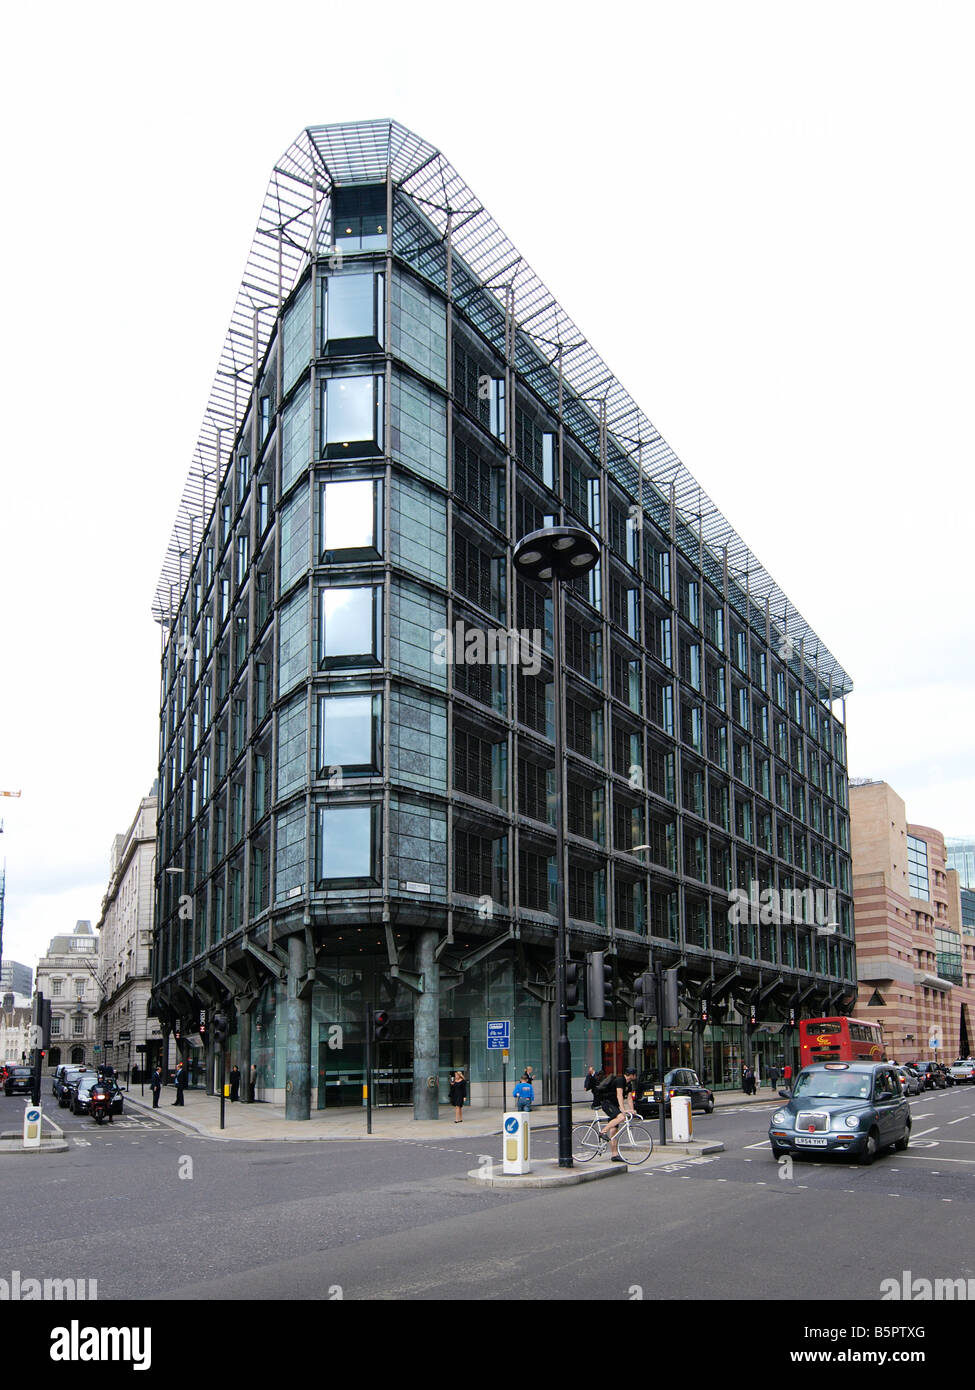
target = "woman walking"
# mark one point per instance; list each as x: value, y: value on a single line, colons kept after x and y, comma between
x: 458, y: 1095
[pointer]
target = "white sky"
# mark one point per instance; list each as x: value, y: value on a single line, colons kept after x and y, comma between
x: 760, y: 214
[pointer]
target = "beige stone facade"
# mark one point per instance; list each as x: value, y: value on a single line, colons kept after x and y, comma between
x: 125, y: 943
x: 68, y: 977
x: 915, y: 965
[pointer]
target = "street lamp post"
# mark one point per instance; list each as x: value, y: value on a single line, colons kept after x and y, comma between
x: 553, y: 555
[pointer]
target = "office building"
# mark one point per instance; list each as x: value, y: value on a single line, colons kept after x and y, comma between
x: 357, y: 761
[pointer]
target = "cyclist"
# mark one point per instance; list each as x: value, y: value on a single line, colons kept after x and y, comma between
x: 616, y: 1097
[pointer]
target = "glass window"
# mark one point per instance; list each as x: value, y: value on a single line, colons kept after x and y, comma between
x: 917, y: 868
x: 263, y: 508
x: 360, y: 218
x: 350, y: 626
x: 353, y: 309
x: 352, y: 415
x: 350, y: 523
x: 348, y: 733
x: 347, y: 841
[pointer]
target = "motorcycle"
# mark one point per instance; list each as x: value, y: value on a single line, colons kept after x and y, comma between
x: 100, y: 1104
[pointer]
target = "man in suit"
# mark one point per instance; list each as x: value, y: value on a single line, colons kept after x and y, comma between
x: 155, y: 1086
x: 180, y: 1080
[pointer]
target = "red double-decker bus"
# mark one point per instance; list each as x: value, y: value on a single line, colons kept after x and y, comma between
x: 839, y: 1040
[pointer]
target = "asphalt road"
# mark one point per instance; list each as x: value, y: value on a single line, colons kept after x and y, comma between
x: 153, y: 1213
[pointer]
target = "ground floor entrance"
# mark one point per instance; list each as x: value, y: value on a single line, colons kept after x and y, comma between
x: 342, y: 1063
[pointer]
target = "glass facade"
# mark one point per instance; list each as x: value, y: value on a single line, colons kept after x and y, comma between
x: 357, y: 715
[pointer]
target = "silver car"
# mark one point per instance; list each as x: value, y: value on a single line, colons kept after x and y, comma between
x: 963, y: 1069
x: 910, y: 1081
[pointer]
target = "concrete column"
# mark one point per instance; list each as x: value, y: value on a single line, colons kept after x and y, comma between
x: 244, y: 1060
x: 297, y: 1104
x: 426, y: 1031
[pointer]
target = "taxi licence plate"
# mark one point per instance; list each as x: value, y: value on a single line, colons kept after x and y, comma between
x: 812, y: 1143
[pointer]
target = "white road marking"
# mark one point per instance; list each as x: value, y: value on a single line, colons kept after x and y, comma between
x: 940, y: 1158
x: 84, y: 1142
x: 924, y: 1131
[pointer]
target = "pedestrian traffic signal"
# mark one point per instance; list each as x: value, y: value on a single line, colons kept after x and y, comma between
x: 599, y: 984
x: 381, y: 1030
x: 219, y: 1029
x: 645, y: 1003
x: 571, y: 984
x: 669, y: 1000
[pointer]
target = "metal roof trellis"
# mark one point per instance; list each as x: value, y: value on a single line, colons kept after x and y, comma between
x: 288, y: 230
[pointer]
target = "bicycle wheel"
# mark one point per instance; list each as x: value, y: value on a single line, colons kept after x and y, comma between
x: 585, y: 1143
x: 636, y: 1144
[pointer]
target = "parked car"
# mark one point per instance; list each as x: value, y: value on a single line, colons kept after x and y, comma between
x: 65, y: 1082
x: 19, y: 1080
x: 910, y: 1081
x: 81, y: 1095
x: 932, y: 1076
x: 963, y: 1069
x: 680, y: 1081
x: 843, y: 1108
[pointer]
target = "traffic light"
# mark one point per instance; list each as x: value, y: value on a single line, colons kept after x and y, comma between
x: 381, y: 1028
x: 571, y: 984
x: 599, y: 983
x: 669, y: 1002
x: 219, y: 1029
x: 45, y: 1023
x: 645, y: 1003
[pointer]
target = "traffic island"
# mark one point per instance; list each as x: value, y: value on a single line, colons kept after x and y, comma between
x: 546, y: 1173
x: 12, y: 1142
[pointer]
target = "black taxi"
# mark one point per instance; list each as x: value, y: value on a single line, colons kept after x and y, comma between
x: 842, y: 1108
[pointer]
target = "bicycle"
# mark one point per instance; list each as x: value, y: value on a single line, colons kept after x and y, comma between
x: 634, y: 1140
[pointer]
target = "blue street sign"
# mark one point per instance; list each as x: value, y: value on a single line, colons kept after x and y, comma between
x: 511, y: 1125
x: 499, y: 1034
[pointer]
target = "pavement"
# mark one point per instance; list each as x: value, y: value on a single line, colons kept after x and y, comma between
x: 200, y: 1114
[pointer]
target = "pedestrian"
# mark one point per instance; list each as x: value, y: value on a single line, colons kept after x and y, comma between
x: 155, y: 1086
x: 773, y: 1076
x: 529, y: 1076
x: 787, y: 1075
x: 744, y: 1078
x: 235, y: 1082
x: 593, y: 1078
x: 180, y: 1083
x: 253, y: 1081
x: 524, y: 1093
x: 458, y: 1094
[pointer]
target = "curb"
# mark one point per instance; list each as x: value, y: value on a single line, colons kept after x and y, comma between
x: 548, y: 1175
x: 46, y: 1146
